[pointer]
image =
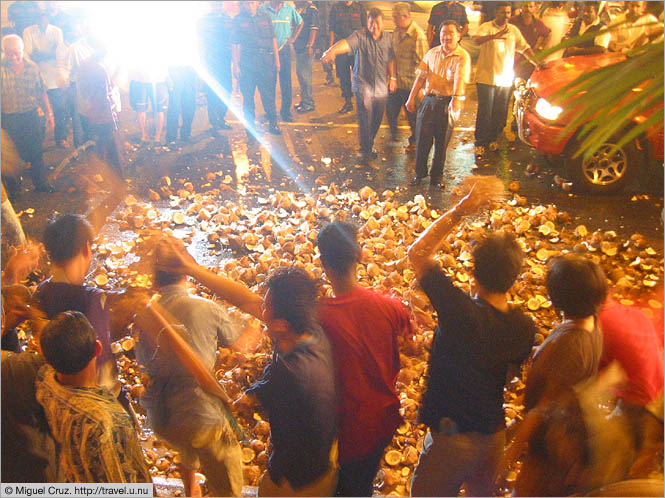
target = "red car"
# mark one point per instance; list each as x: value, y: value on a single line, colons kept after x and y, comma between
x: 540, y: 127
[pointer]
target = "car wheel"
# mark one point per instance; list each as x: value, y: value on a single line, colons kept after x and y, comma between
x: 606, y: 171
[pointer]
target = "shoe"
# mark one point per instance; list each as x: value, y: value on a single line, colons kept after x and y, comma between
x: 493, y: 146
x: 437, y: 184
x: 480, y: 151
x: 302, y: 109
x: 374, y: 154
x: 348, y: 107
x: 224, y: 126
x: 415, y: 181
x: 273, y: 129
x: 287, y: 118
x: 330, y: 80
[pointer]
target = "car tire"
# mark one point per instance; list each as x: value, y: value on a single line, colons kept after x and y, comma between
x: 605, y: 172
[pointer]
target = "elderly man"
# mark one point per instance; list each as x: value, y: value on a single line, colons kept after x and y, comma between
x: 23, y: 92
x: 410, y: 46
x: 444, y: 73
x: 638, y: 28
x: 589, y: 22
x: 288, y: 24
x: 41, y: 41
x: 498, y: 42
x: 373, y: 76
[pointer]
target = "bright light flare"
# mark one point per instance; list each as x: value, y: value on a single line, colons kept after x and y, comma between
x: 146, y: 35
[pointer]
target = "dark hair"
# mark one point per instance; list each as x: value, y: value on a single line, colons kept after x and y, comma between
x: 503, y: 4
x: 576, y: 285
x: 497, y: 261
x: 163, y: 278
x: 66, y: 236
x: 68, y: 342
x: 450, y: 22
x: 338, y: 245
x: 374, y: 13
x: 293, y: 295
x: 165, y: 257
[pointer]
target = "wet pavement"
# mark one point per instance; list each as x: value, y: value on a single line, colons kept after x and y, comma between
x: 320, y: 148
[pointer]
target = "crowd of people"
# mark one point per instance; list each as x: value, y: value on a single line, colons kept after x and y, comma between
x: 329, y: 389
x: 424, y: 72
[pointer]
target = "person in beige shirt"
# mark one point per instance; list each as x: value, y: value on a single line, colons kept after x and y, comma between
x: 443, y: 74
x: 410, y: 45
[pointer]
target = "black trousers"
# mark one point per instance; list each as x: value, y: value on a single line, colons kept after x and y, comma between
x: 27, y: 132
x: 58, y: 99
x: 285, y: 80
x: 369, y: 112
x: 182, y: 102
x: 222, y: 82
x: 492, y: 112
x: 433, y: 125
x: 344, y: 65
x: 356, y: 478
x: 257, y: 70
x: 396, y: 101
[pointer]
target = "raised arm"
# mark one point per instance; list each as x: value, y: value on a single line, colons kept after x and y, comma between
x: 339, y: 48
x: 422, y: 251
x: 229, y: 290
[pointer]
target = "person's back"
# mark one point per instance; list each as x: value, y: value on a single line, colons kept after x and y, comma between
x: 97, y: 438
x: 363, y: 327
x: 560, y: 443
x: 68, y: 241
x: 476, y: 340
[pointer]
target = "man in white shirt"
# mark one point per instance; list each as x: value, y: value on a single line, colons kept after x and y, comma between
x: 41, y: 41
x: 498, y: 42
x: 639, y: 28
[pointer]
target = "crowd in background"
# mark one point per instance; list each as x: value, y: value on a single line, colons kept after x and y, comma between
x: 56, y: 73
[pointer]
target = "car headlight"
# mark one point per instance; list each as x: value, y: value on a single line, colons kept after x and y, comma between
x: 547, y: 110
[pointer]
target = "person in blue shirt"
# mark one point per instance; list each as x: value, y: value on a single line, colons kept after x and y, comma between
x: 287, y: 24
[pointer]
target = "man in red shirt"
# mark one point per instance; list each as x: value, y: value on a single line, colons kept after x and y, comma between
x: 363, y: 328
